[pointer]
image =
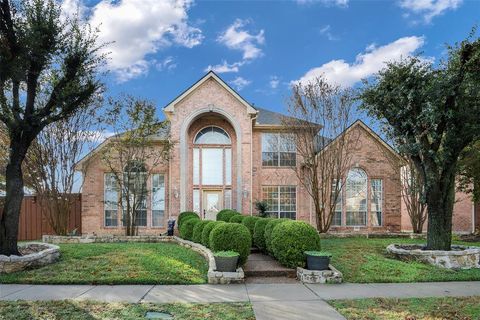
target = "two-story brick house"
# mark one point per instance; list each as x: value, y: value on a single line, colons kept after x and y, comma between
x: 222, y: 158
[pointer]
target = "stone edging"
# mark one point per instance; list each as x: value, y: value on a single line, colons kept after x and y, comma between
x: 214, y: 277
x: 464, y: 257
x: 9, y: 264
x: 320, y: 276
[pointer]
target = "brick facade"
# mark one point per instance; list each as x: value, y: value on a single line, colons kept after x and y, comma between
x: 210, y: 102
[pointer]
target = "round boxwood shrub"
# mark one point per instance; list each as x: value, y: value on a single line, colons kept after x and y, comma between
x: 238, y: 218
x: 291, y: 239
x: 231, y: 236
x: 186, y: 229
x: 198, y: 229
x: 259, y: 233
x: 206, y: 232
x: 184, y: 216
x: 249, y: 222
x: 268, y: 232
x: 226, y: 214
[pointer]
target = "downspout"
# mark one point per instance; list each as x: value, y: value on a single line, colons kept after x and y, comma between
x: 473, y: 216
x: 254, y: 118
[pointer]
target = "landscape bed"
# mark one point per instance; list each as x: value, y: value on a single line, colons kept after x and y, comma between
x: 119, y: 263
x: 96, y: 310
x: 465, y: 308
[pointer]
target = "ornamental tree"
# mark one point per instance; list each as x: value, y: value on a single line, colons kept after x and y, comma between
x: 48, y: 70
x: 432, y: 112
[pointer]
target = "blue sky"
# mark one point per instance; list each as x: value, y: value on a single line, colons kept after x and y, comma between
x: 162, y: 47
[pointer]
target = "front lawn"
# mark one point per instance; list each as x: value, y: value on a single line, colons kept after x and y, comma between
x: 365, y: 260
x: 77, y: 310
x: 119, y: 263
x: 466, y: 308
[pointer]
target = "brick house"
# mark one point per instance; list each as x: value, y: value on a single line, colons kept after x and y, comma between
x: 222, y: 158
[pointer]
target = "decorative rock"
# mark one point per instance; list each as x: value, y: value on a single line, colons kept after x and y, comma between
x: 48, y: 255
x: 214, y: 277
x: 319, y: 276
x: 460, y: 257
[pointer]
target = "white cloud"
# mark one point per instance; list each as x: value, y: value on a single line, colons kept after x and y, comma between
x: 274, y: 82
x: 135, y: 29
x: 237, y: 38
x: 328, y: 3
x: 167, y: 64
x: 366, y: 64
x: 429, y: 8
x: 239, y: 83
x: 327, y: 31
x: 225, y: 67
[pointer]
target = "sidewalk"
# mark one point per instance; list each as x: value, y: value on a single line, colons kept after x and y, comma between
x: 270, y: 301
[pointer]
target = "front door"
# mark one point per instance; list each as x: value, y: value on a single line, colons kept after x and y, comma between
x: 212, y: 203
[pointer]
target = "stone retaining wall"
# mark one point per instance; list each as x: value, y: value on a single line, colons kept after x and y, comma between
x: 319, y: 276
x: 214, y: 277
x: 460, y: 257
x: 50, y: 254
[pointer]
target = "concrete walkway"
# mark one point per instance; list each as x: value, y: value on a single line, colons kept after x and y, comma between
x: 270, y: 301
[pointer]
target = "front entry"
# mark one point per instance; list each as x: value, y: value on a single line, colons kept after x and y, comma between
x: 212, y: 203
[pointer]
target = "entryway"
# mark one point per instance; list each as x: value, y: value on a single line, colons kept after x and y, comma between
x: 213, y: 203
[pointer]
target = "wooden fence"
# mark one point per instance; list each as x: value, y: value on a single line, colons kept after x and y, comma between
x: 33, y: 224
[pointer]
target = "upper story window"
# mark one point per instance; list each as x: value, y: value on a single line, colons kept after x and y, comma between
x: 278, y: 150
x: 212, y: 135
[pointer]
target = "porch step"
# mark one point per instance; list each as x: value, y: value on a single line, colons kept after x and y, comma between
x: 262, y: 266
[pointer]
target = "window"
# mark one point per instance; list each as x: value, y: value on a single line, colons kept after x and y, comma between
x: 196, y: 166
x: 212, y: 166
x: 228, y: 199
x: 135, y: 190
x: 278, y: 150
x: 111, y: 200
x: 212, y: 135
x: 337, y: 216
x: 281, y: 200
x: 377, y: 201
x: 158, y: 199
x: 196, y: 200
x: 356, y: 198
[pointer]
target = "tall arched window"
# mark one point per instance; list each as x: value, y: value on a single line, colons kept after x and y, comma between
x: 212, y: 135
x: 356, y: 195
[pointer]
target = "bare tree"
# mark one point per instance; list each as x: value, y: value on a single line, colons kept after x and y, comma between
x: 139, y: 145
x: 50, y: 165
x: 413, y: 196
x: 319, y: 115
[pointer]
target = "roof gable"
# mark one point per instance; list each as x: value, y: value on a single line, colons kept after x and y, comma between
x: 210, y: 75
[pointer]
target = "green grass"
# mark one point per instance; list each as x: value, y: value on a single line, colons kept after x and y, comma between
x: 365, y: 260
x: 466, y: 308
x: 119, y: 263
x: 76, y: 310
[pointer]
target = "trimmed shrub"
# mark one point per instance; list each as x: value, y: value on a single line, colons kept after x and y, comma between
x: 291, y: 239
x: 206, y: 232
x: 226, y: 214
x: 268, y: 232
x: 184, y: 216
x: 238, y: 218
x: 249, y: 222
x: 231, y: 236
x: 197, y: 231
x: 186, y: 229
x: 259, y: 233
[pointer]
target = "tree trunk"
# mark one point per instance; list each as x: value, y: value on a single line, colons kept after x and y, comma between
x: 440, y: 203
x: 13, y: 200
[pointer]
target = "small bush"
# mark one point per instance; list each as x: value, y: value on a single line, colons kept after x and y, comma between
x: 198, y: 229
x: 249, y: 222
x: 259, y: 233
x: 206, y: 232
x: 186, y: 229
x: 231, y: 236
x: 291, y: 239
x: 238, y: 218
x: 268, y: 232
x: 184, y: 216
x: 226, y: 214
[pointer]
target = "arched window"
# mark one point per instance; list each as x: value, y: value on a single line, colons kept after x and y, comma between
x: 356, y: 197
x: 212, y: 135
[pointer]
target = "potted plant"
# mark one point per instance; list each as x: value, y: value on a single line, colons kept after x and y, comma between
x: 318, y: 260
x: 226, y: 261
